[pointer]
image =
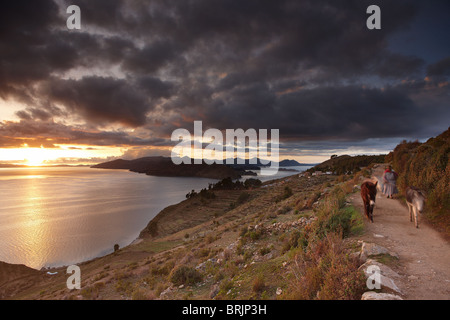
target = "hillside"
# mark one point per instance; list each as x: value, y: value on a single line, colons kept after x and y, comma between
x: 300, y: 237
x: 163, y: 166
x: 291, y: 163
x: 427, y: 166
x: 233, y: 245
x: 346, y: 164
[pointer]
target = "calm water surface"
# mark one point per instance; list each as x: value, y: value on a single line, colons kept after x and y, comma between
x: 60, y: 216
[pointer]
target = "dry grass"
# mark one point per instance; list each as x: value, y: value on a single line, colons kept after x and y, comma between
x: 326, y: 272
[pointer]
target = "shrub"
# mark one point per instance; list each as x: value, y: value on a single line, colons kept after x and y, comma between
x: 284, y: 210
x: 243, y: 197
x: 255, y: 235
x: 139, y: 294
x: 311, y: 200
x: 333, y: 216
x: 427, y: 167
x: 258, y: 284
x: 226, y: 285
x: 185, y: 275
x: 297, y: 239
x: 287, y: 192
x: 263, y: 251
x: 326, y: 272
x: 252, y: 183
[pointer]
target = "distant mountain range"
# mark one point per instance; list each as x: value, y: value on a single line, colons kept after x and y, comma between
x: 260, y: 163
x: 163, y: 166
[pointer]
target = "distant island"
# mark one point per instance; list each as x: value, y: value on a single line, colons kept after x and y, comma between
x: 293, y: 163
x: 163, y: 166
x: 256, y: 163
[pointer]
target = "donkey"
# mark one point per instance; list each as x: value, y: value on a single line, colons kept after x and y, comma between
x: 368, y: 195
x: 415, y: 199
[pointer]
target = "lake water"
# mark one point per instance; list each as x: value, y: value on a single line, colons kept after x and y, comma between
x: 52, y: 217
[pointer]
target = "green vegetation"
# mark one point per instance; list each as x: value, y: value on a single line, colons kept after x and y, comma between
x: 346, y: 164
x: 184, y: 275
x: 243, y: 197
x: 287, y: 192
x: 200, y: 249
x: 427, y: 167
x: 324, y: 270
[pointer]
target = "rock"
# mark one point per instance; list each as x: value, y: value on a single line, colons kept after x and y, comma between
x: 372, y: 249
x: 384, y: 270
x: 372, y: 295
x: 378, y: 235
x: 214, y: 291
x: 166, y: 292
x: 385, y: 276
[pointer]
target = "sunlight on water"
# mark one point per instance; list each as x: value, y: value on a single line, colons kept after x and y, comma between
x: 61, y: 216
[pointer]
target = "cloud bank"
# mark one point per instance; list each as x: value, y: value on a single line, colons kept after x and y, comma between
x: 137, y: 70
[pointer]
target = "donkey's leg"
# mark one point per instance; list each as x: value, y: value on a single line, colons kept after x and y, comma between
x: 410, y: 212
x: 366, y: 210
x: 416, y: 217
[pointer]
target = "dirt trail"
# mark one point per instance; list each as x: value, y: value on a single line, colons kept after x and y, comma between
x: 424, y: 255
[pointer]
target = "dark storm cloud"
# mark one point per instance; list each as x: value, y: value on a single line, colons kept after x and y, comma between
x: 26, y: 53
x: 101, y: 99
x: 324, y: 113
x: 48, y: 133
x: 34, y: 113
x: 440, y: 68
x: 312, y: 70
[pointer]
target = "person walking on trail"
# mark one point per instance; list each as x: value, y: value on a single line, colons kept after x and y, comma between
x: 390, y: 182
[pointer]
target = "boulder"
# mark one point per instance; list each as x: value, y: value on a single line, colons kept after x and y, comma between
x: 385, y: 270
x: 372, y: 295
x: 385, y: 277
x: 372, y: 249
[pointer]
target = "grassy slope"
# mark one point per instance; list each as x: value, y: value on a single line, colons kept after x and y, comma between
x: 427, y: 166
x: 247, y: 251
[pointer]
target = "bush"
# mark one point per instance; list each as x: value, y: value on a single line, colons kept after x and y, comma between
x: 326, y: 272
x: 252, y: 183
x: 255, y: 235
x: 284, y: 210
x: 334, y: 217
x: 297, y: 239
x: 243, y: 197
x: 427, y: 167
x: 265, y: 250
x: 185, y: 275
x: 287, y: 192
x: 258, y: 284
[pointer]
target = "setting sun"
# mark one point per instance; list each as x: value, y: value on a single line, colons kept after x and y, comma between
x: 63, y: 154
x: 34, y: 158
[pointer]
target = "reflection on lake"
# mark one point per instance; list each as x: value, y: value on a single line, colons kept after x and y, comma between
x: 61, y: 216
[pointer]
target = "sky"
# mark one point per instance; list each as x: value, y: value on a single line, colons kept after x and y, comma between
x: 138, y: 70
